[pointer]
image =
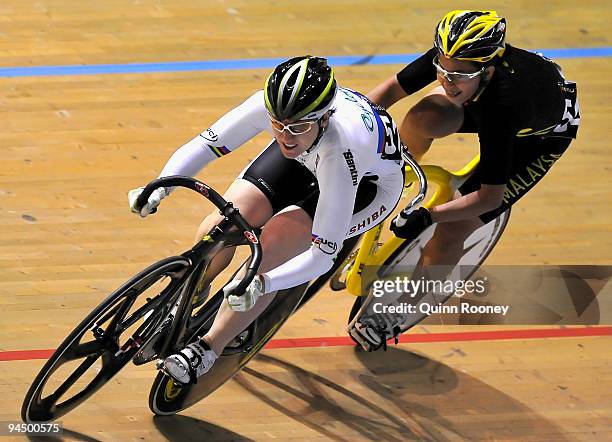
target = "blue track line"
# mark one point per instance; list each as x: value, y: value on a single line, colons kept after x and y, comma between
x: 256, y: 63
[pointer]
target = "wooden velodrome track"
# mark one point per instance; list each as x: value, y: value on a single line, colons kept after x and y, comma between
x: 73, y: 145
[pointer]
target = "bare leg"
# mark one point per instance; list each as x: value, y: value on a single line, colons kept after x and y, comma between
x: 253, y: 205
x: 286, y: 235
x: 446, y: 245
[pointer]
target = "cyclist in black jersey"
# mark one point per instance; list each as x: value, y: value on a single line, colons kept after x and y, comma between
x: 524, y: 112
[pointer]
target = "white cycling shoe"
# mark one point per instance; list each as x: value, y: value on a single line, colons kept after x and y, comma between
x: 372, y: 331
x: 186, y: 366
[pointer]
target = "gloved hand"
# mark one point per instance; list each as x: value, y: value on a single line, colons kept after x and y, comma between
x: 413, y: 225
x: 245, y: 302
x: 151, y: 206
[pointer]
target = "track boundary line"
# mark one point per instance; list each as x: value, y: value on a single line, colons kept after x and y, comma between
x: 414, y: 338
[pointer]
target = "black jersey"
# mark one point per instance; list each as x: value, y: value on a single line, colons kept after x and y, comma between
x: 526, y: 97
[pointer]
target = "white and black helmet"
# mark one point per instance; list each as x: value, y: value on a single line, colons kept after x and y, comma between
x: 302, y: 88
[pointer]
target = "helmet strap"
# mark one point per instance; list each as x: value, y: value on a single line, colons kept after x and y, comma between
x: 484, y: 82
x: 319, y: 135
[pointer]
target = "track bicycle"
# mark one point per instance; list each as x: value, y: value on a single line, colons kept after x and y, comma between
x: 132, y: 316
x: 397, y: 256
x: 155, y: 310
x: 140, y: 315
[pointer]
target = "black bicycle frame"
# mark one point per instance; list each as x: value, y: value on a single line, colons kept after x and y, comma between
x: 198, y: 254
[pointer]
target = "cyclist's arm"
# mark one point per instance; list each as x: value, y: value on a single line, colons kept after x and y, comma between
x: 388, y: 93
x: 487, y: 198
x: 331, y: 222
x: 229, y: 132
x: 496, y: 147
x: 412, y: 78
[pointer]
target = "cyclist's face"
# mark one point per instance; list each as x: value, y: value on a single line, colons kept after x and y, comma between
x: 463, y: 89
x: 292, y: 144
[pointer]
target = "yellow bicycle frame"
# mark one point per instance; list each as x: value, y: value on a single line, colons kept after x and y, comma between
x: 373, y: 253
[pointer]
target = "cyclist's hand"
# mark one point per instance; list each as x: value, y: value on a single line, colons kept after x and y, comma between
x: 152, y: 203
x: 411, y: 226
x: 246, y: 301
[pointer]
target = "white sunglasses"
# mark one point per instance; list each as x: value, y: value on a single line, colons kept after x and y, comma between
x: 455, y: 77
x: 298, y: 128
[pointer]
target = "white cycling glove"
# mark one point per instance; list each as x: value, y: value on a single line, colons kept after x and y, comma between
x: 154, y: 200
x: 245, y: 302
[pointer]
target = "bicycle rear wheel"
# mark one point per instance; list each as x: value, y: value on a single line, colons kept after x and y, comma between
x: 104, y: 342
x: 477, y: 248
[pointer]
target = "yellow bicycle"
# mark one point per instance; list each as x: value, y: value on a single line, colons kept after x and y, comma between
x: 433, y: 185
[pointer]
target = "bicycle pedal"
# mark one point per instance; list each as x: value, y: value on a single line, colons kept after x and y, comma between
x: 160, y: 366
x: 336, y: 284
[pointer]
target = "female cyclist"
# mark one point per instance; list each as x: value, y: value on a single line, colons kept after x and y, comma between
x: 333, y: 170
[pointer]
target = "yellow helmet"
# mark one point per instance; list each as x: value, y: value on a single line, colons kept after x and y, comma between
x: 471, y: 35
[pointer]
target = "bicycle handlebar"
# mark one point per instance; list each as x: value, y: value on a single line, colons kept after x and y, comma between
x: 407, y: 157
x: 227, y: 210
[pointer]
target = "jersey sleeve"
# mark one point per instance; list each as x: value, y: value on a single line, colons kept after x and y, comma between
x: 338, y: 177
x: 228, y: 133
x: 419, y: 73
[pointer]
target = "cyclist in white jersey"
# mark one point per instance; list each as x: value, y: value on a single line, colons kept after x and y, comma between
x: 332, y: 171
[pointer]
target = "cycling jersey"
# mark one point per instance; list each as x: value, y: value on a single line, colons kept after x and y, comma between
x: 360, y: 141
x: 527, y: 96
x: 288, y: 183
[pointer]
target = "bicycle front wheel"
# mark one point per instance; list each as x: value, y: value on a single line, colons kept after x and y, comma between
x: 104, y: 342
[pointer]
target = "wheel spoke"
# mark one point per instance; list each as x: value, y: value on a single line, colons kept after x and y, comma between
x: 109, y: 315
x: 109, y: 370
x: 90, y: 348
x: 100, y: 351
x: 124, y: 307
x: 152, y: 304
x: 81, y: 369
